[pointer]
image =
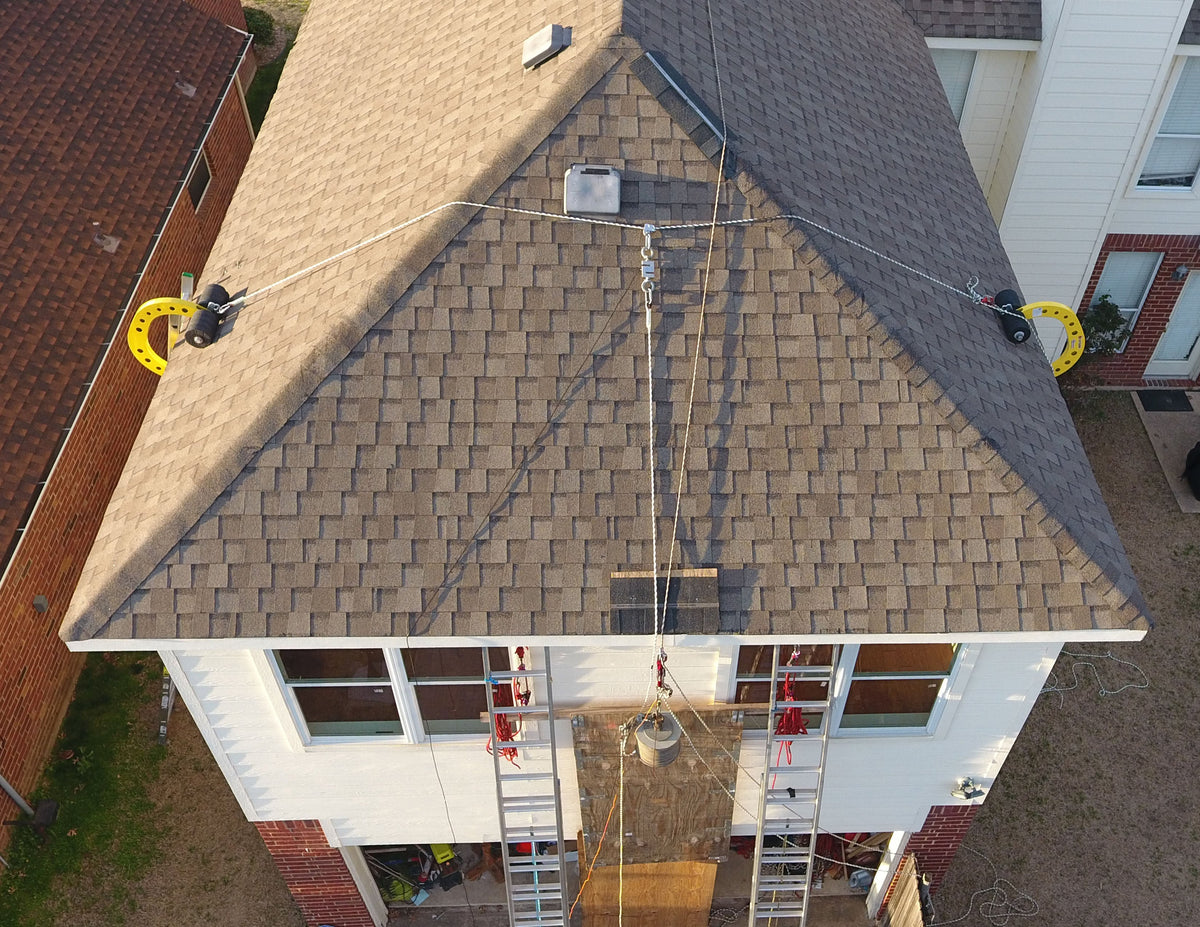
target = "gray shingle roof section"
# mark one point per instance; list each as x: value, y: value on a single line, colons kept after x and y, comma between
x: 1191, y: 28
x: 375, y: 436
x: 977, y: 19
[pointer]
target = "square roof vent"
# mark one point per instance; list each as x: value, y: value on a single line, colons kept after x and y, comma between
x: 544, y: 45
x: 593, y: 189
x: 693, y: 605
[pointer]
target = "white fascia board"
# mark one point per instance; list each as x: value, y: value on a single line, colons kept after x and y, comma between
x: 984, y: 44
x: 605, y: 641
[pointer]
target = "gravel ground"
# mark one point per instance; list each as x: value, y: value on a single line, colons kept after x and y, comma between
x: 1094, y: 816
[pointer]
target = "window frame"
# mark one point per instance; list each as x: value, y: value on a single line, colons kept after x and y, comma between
x: 765, y: 678
x: 960, y: 116
x: 1134, y: 314
x: 964, y: 658
x: 201, y: 161
x: 1180, y: 64
x: 403, y: 690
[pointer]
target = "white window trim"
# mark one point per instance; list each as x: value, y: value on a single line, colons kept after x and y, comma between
x: 944, y: 708
x: 208, y: 186
x: 949, y: 691
x: 1135, y: 314
x: 287, y: 709
x: 1164, y: 104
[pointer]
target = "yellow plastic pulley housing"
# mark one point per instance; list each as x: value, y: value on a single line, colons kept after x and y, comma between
x: 1073, y: 350
x: 139, y: 329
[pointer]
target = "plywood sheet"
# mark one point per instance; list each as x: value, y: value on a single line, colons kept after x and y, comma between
x: 904, y: 910
x: 675, y: 813
x: 655, y: 895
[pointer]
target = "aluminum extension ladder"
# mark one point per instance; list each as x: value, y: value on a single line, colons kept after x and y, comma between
x: 529, y: 803
x: 790, y: 800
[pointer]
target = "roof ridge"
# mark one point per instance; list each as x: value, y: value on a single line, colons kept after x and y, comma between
x: 92, y: 609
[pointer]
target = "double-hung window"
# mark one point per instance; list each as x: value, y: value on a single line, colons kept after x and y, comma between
x: 897, y: 688
x: 1126, y: 280
x: 1174, y: 156
x: 895, y: 685
x: 375, y: 693
x: 341, y: 693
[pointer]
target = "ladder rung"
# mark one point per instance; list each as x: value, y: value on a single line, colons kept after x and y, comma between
x: 798, y: 883
x: 521, y: 710
x: 783, y: 796
x: 552, y: 919
x: 777, y: 910
x: 813, y: 669
x: 517, y: 674
x: 776, y: 770
x: 527, y: 802
x: 782, y: 706
x: 539, y: 832
x: 547, y: 864
x: 545, y: 893
x: 525, y: 776
x: 528, y: 743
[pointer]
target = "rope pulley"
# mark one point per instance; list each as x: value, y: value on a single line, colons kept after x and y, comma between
x: 205, y: 313
x: 1016, y: 320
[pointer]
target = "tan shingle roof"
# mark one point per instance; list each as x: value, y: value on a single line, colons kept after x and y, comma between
x: 362, y: 428
x: 95, y: 141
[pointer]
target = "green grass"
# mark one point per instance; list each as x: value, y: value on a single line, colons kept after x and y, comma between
x: 106, y: 835
x: 262, y: 88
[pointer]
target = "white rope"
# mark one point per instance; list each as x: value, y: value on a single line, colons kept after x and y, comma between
x: 1006, y: 901
x: 648, y: 275
x: 1085, y: 660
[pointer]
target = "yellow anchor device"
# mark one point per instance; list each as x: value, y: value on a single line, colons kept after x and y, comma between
x: 1073, y: 350
x: 207, y: 311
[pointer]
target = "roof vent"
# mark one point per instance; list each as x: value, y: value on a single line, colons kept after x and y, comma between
x: 592, y: 188
x: 692, y: 601
x: 544, y: 45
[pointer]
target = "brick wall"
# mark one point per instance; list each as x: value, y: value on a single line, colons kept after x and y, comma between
x: 935, y: 844
x: 228, y: 11
x: 315, y: 873
x: 1126, y: 368
x: 37, y: 672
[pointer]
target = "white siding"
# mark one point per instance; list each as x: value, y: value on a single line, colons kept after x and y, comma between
x: 988, y: 110
x: 382, y: 793
x: 1090, y: 96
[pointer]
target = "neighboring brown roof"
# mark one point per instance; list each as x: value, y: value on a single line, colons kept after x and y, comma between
x: 97, y: 136
x: 444, y: 432
x: 977, y: 19
x: 1191, y: 28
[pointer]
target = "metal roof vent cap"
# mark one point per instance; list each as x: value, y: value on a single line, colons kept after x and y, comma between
x: 594, y: 189
x: 544, y: 45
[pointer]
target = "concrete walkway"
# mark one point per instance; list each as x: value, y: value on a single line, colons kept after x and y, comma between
x: 1172, y: 435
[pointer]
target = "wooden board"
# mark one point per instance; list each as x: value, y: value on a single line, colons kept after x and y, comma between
x: 655, y: 895
x: 680, y: 812
x: 904, y: 910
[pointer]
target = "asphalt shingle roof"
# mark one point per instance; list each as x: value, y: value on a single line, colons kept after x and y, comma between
x: 97, y: 133
x: 977, y: 19
x: 444, y: 433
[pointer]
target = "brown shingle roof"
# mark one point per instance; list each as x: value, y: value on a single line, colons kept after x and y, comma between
x: 869, y: 457
x: 96, y: 138
x: 977, y: 19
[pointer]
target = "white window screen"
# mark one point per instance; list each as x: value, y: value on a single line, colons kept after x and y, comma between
x: 1175, y: 156
x: 954, y: 67
x: 1179, y: 340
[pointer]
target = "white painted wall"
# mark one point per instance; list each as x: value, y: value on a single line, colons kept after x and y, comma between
x: 1089, y: 99
x: 375, y: 793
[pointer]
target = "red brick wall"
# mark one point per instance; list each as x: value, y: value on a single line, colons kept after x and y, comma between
x: 315, y: 873
x: 37, y: 672
x: 935, y: 844
x: 228, y: 11
x: 1126, y: 368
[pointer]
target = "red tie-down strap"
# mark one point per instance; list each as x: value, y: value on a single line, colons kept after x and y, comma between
x: 791, y: 722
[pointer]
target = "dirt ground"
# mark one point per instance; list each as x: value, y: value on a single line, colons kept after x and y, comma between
x: 287, y: 15
x: 1094, y: 815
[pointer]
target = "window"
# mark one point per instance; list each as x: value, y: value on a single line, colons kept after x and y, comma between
x: 341, y: 693
x: 752, y: 684
x: 1126, y: 280
x: 377, y: 693
x: 1175, y: 155
x: 198, y: 183
x: 450, y: 687
x: 893, y: 687
x: 955, y: 67
x: 896, y: 685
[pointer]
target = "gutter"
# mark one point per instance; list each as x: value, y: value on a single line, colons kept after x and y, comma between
x: 114, y: 338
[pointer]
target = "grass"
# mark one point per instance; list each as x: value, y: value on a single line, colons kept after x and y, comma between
x: 106, y: 834
x: 262, y: 88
